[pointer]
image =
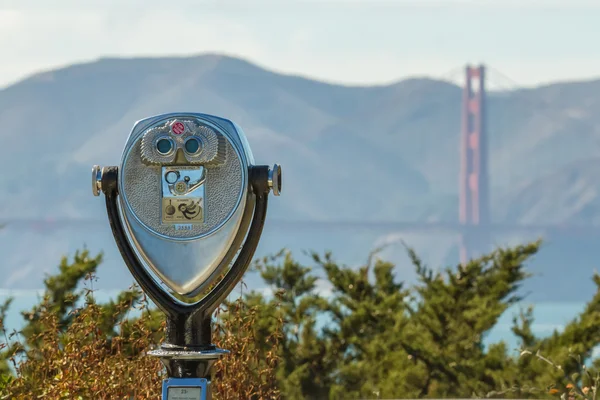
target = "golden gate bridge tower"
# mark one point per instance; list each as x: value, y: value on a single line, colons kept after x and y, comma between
x: 474, y: 198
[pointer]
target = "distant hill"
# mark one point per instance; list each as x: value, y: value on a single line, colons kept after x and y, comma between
x: 390, y: 151
x: 348, y: 152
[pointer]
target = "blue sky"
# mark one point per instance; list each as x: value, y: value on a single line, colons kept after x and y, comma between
x: 345, y: 41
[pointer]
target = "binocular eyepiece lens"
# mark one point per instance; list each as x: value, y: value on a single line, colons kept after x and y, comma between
x: 192, y: 145
x: 164, y: 146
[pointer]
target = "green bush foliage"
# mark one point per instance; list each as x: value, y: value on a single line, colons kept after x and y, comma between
x: 377, y: 337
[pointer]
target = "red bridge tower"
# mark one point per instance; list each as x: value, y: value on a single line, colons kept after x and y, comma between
x: 474, y: 199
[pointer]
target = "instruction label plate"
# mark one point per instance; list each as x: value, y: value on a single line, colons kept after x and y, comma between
x: 182, y: 210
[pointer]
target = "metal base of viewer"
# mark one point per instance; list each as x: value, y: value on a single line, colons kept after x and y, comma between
x: 189, y: 372
x: 188, y: 353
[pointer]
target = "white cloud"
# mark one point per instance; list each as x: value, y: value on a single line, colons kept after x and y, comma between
x: 155, y: 4
x: 49, y: 39
x: 175, y: 33
x: 350, y: 41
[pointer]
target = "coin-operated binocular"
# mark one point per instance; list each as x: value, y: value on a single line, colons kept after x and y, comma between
x: 187, y: 207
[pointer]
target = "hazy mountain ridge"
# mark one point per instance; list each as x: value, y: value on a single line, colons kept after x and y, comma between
x: 278, y: 117
x: 388, y: 152
x: 402, y: 137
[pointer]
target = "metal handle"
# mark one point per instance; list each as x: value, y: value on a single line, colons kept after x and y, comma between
x: 274, y: 179
x: 96, y: 180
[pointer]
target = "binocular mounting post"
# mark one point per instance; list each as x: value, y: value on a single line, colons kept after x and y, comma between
x: 187, y: 351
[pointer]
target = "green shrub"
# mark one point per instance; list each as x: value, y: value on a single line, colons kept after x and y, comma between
x: 97, y: 351
x: 379, y: 338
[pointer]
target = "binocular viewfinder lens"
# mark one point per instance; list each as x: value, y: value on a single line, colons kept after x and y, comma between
x: 192, y: 145
x: 164, y: 146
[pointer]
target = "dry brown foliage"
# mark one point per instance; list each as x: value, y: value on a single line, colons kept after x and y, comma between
x: 248, y: 372
x: 80, y: 361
